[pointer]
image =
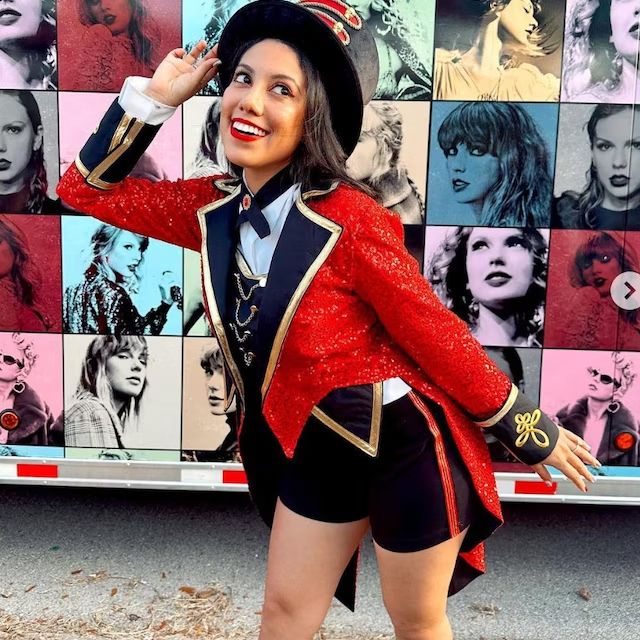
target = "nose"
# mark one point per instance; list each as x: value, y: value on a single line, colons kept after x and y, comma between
x: 496, y: 254
x: 3, y: 142
x: 620, y: 158
x: 457, y: 162
x: 252, y: 101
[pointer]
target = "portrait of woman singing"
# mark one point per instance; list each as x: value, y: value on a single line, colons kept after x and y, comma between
x: 601, y: 52
x: 497, y: 50
x: 102, y: 301
x: 495, y: 165
x: 610, y: 199
x: 494, y: 280
x: 23, y: 173
x: 25, y: 418
x: 28, y: 56
x: 331, y: 336
x: 106, y: 405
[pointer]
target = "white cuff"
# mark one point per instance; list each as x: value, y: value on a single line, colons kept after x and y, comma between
x: 141, y: 106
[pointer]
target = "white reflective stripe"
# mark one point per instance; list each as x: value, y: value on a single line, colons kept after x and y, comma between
x: 8, y: 470
x: 201, y: 476
x: 506, y: 487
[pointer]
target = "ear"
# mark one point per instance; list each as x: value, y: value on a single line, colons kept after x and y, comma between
x: 37, y: 139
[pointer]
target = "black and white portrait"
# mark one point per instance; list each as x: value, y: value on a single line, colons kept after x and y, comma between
x: 208, y: 425
x: 121, y: 392
x: 28, y: 55
x: 390, y: 156
x: 597, y: 182
x: 28, y: 152
x: 502, y: 50
x: 601, y: 51
x: 491, y: 163
x: 493, y: 278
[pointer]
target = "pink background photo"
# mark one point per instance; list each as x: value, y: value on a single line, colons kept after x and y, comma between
x: 81, y: 112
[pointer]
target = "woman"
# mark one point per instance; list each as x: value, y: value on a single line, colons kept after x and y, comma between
x: 20, y: 282
x: 118, y: 38
x: 376, y: 162
x: 27, y: 45
x: 23, y: 175
x: 101, y: 302
x: 595, y: 321
x: 602, y: 419
x: 24, y: 417
x: 490, y: 37
x: 498, y: 165
x: 106, y: 404
x: 323, y: 268
x: 611, y: 198
x: 602, y: 50
x: 495, y: 280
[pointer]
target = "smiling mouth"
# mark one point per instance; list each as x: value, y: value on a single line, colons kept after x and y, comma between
x: 245, y: 130
x: 459, y: 185
x: 599, y: 282
x: 109, y: 19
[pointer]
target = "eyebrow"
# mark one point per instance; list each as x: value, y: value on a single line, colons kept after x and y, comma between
x: 275, y: 76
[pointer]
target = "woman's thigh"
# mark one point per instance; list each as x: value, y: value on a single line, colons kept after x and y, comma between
x: 305, y: 562
x: 415, y: 585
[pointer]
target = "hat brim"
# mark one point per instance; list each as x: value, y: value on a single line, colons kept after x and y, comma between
x: 295, y: 25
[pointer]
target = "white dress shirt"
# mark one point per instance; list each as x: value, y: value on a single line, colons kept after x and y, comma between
x: 257, y: 251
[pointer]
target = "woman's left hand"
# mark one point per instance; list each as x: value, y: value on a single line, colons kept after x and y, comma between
x: 570, y: 456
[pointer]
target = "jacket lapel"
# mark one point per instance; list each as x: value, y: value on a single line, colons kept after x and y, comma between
x: 217, y: 224
x: 305, y: 243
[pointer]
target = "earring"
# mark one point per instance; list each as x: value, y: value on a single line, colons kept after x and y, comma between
x: 616, y: 63
x: 19, y: 387
x: 613, y: 406
x: 474, y: 307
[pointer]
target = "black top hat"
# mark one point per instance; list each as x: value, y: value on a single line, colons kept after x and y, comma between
x: 334, y: 38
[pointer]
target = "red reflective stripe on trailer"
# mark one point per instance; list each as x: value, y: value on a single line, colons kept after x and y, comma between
x: 234, y: 476
x: 37, y: 470
x: 524, y: 486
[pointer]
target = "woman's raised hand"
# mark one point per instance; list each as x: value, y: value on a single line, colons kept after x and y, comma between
x: 181, y: 74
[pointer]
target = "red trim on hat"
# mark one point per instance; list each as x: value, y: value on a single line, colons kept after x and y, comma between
x: 342, y: 10
x: 336, y: 26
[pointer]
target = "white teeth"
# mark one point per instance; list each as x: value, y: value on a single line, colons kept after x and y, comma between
x: 247, y: 128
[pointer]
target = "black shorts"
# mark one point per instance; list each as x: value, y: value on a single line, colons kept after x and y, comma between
x: 416, y: 493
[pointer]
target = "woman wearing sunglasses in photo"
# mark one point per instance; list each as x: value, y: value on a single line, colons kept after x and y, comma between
x: 24, y: 417
x: 335, y: 347
x: 600, y: 417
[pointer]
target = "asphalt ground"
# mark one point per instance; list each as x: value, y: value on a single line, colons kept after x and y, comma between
x: 71, y: 555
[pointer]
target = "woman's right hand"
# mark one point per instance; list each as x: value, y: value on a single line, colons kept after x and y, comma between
x: 181, y: 74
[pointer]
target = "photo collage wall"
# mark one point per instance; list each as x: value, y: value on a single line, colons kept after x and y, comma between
x: 503, y: 133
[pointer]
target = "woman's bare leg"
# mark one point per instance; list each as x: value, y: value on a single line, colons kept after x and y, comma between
x: 306, y: 560
x: 414, y: 589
